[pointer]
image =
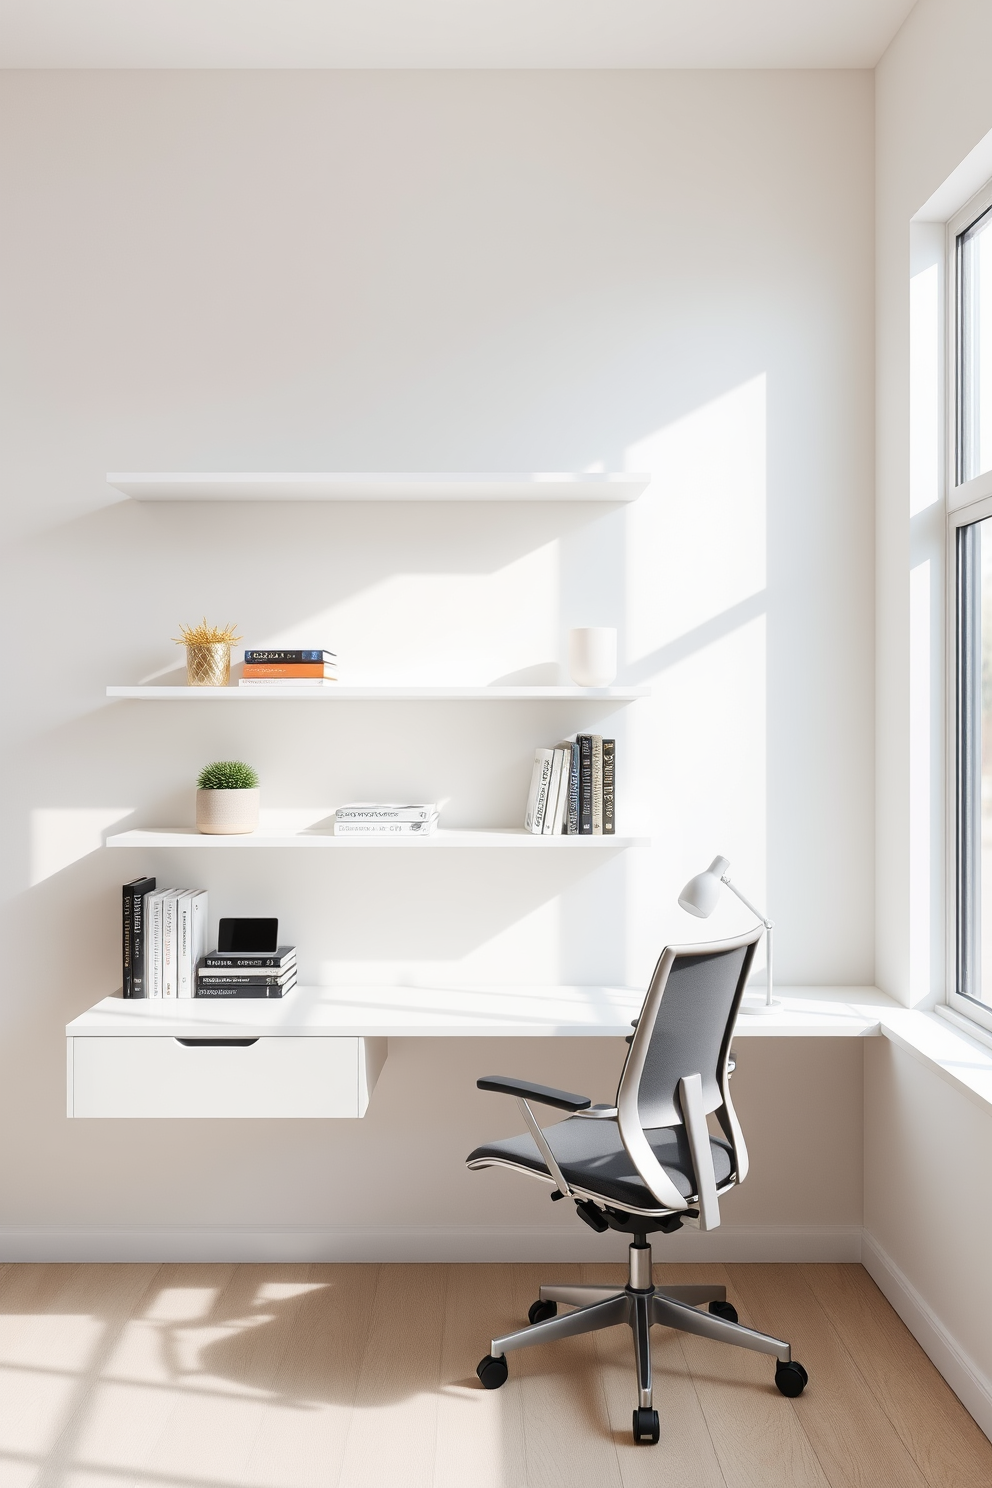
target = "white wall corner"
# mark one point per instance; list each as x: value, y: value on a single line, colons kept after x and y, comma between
x: 972, y: 1387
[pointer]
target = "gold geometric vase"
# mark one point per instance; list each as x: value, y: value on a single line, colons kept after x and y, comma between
x: 208, y: 666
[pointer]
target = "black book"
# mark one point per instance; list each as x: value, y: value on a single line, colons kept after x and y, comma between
x: 133, y: 935
x: 244, y: 978
x: 288, y: 658
x: 609, y: 788
x: 584, y: 742
x: 279, y: 959
x: 230, y: 989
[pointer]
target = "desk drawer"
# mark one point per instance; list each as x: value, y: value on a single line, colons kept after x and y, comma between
x: 267, y: 1077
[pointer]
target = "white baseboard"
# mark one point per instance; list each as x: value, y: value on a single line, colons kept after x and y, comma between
x: 418, y: 1243
x: 970, y: 1385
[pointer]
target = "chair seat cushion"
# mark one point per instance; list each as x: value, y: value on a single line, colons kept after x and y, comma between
x: 592, y: 1157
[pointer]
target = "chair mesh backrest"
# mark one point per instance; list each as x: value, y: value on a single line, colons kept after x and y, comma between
x: 691, y: 1032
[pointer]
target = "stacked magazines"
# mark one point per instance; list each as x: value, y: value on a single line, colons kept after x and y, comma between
x: 247, y: 973
x: 375, y: 819
x: 573, y: 789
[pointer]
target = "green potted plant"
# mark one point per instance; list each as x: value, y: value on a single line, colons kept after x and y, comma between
x: 227, y: 798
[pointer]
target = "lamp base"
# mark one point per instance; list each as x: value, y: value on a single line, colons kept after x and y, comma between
x: 758, y: 1009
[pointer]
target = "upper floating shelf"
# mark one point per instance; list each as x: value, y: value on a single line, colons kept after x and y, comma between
x: 339, y: 694
x: 193, y: 485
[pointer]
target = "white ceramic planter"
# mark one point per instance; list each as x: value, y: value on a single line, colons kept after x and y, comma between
x: 226, y: 812
x: 592, y: 655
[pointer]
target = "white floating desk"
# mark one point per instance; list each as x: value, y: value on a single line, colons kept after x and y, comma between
x: 319, y: 1051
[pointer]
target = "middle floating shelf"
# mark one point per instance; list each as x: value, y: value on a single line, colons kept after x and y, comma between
x: 187, y: 837
x: 339, y: 694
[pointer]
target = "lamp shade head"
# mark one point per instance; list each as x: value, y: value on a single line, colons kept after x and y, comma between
x: 701, y: 893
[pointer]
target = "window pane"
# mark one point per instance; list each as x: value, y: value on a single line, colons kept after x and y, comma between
x: 975, y: 349
x: 974, y: 667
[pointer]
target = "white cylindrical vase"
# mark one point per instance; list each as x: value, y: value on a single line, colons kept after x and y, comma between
x: 224, y: 813
x: 592, y: 655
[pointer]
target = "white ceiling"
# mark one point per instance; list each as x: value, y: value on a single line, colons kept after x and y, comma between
x: 447, y: 33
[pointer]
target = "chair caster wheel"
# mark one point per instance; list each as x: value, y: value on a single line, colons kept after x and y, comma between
x: 791, y: 1379
x: 492, y: 1372
x: 647, y: 1427
x: 540, y: 1312
x: 725, y: 1310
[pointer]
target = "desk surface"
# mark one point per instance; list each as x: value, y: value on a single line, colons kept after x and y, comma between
x: 464, y: 1012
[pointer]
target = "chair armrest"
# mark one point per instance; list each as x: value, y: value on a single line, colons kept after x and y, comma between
x: 546, y: 1095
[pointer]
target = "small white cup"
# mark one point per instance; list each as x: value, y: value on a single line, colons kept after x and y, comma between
x: 592, y: 655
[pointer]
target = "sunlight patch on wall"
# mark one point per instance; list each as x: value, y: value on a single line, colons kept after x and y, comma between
x: 446, y: 628
x: 696, y: 539
x: 61, y: 835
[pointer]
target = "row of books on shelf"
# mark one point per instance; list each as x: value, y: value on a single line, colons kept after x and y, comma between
x: 273, y: 671
x: 165, y: 956
x: 573, y: 789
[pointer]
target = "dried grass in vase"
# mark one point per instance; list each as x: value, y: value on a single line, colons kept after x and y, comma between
x: 208, y: 653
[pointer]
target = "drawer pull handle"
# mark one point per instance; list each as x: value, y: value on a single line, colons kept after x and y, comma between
x: 217, y: 1043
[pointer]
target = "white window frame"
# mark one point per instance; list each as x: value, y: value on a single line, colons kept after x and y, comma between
x: 968, y: 501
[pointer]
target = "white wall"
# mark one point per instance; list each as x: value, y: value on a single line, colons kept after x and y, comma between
x: 923, y: 1138
x: 403, y: 271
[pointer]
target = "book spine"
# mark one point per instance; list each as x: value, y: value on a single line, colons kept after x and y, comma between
x: 384, y: 829
x: 288, y: 671
x: 244, y: 963
x: 585, y: 785
x: 543, y: 761
x: 198, y: 933
x: 572, y: 825
x: 170, y: 981
x: 243, y: 979
x: 127, y: 938
x: 402, y: 813
x: 561, y: 806
x: 554, y: 790
x: 139, y: 981
x: 288, y: 658
x: 239, y: 991
x: 597, y: 785
x: 153, y: 947
x: 609, y: 787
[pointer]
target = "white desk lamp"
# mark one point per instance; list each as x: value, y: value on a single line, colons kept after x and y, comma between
x: 699, y: 897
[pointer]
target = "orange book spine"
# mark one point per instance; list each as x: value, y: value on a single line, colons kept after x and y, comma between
x: 287, y: 670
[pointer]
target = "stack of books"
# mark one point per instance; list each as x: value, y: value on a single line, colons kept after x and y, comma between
x: 573, y: 789
x: 247, y: 973
x: 372, y: 819
x: 165, y: 935
x: 275, y: 671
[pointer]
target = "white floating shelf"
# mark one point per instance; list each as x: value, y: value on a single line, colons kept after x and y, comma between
x: 187, y: 837
x: 303, y: 485
x: 339, y: 694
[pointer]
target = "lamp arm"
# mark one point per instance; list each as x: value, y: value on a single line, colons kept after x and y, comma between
x: 768, y: 924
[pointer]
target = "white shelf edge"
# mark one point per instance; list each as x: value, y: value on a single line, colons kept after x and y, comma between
x: 189, y: 837
x: 205, y: 485
x: 347, y: 694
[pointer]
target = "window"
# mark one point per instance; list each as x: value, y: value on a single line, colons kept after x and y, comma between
x: 970, y: 502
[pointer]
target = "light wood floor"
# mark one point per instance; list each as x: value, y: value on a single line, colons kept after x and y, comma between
x: 340, y: 1376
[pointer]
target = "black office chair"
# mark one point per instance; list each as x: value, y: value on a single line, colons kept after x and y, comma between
x: 646, y: 1164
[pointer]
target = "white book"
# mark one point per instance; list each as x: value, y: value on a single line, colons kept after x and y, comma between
x: 153, y: 942
x: 554, y: 790
x: 170, y: 943
x: 280, y: 684
x: 191, y: 937
x: 386, y: 829
x: 561, y: 811
x: 597, y: 785
x: 538, y: 795
x: 371, y: 811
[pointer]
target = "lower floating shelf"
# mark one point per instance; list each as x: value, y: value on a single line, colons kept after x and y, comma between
x: 187, y: 837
